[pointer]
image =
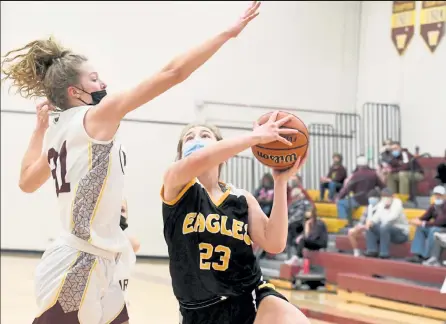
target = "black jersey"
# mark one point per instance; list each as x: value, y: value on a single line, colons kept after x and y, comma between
x: 210, y: 250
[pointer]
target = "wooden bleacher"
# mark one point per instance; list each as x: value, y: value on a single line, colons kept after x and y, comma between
x: 406, y: 287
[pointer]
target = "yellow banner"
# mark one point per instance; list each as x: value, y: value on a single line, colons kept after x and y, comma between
x: 432, y: 23
x: 402, y: 24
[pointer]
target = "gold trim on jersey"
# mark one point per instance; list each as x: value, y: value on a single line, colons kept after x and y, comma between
x: 180, y: 194
x: 104, y: 185
x: 222, y: 197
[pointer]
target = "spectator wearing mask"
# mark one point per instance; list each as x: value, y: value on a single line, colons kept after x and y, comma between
x: 385, y: 157
x: 334, y: 179
x: 437, y: 250
x: 403, y: 170
x: 374, y: 197
x: 362, y: 181
x: 265, y: 193
x: 315, y: 237
x: 296, y: 216
x: 433, y: 221
x: 387, y: 225
x: 296, y: 182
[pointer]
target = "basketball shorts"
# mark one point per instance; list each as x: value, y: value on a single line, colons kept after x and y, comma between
x: 241, y: 309
x: 77, y: 287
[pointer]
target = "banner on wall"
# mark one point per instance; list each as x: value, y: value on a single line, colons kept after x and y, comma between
x: 432, y: 22
x: 403, y: 24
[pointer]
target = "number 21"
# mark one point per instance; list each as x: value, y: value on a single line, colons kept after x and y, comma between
x: 56, y: 159
x: 206, y: 251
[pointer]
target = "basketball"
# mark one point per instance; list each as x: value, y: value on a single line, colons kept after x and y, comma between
x: 278, y: 155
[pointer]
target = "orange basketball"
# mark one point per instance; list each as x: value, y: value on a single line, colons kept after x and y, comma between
x: 278, y: 155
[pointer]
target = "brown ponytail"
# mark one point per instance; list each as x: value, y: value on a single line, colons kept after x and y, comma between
x: 43, y: 68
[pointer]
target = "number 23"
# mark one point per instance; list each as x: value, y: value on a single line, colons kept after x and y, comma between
x: 206, y: 251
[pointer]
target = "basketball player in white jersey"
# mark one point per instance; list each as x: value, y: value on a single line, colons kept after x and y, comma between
x: 81, y: 151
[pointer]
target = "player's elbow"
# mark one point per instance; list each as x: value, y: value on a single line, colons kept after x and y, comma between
x: 276, y: 247
x: 26, y: 187
x: 176, y: 74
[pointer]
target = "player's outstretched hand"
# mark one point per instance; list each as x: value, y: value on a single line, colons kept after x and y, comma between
x: 244, y: 20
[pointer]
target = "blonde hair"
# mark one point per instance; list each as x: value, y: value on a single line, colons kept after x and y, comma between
x: 212, y: 128
x: 43, y: 68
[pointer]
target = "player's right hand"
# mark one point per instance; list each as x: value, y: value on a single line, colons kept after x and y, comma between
x: 42, y: 111
x: 243, y: 21
x: 271, y: 131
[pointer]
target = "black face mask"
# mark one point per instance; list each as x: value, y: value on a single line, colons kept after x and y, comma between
x: 96, y: 96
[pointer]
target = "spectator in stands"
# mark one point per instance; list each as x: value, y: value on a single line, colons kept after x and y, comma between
x: 265, y: 193
x: 296, y: 182
x: 296, y: 216
x: 314, y: 237
x: 403, y: 169
x: 433, y: 221
x: 387, y: 225
x: 334, y: 179
x: 385, y: 157
x: 439, y: 247
x: 362, y: 181
x: 441, y: 174
x: 374, y: 197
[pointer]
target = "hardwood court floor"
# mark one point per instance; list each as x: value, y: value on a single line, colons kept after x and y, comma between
x: 152, y: 300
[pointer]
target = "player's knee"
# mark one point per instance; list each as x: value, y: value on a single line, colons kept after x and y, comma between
x: 351, y: 232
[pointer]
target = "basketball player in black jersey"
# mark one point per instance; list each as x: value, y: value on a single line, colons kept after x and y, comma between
x: 208, y: 227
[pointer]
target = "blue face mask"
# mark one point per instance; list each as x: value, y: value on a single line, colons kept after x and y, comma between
x: 193, y: 145
x: 438, y: 201
x: 373, y: 201
x: 396, y: 153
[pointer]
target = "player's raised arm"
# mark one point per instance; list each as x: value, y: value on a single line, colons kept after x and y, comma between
x: 109, y: 112
x: 214, y: 152
x: 35, y: 169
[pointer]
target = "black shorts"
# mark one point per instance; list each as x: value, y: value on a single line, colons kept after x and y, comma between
x: 233, y: 310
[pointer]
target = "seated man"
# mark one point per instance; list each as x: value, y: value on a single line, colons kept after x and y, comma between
x: 433, y: 221
x: 315, y: 237
x: 403, y: 169
x: 437, y: 250
x: 334, y: 179
x: 296, y: 217
x: 353, y: 233
x: 388, y: 224
x: 362, y: 181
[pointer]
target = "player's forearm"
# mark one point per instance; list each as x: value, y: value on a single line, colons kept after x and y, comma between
x: 190, y: 61
x: 34, y: 150
x: 183, y: 171
x: 277, y: 226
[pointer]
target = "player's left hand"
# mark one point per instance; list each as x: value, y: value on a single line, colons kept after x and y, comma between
x: 287, y: 174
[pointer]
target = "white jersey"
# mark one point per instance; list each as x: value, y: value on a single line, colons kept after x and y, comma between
x: 89, y: 180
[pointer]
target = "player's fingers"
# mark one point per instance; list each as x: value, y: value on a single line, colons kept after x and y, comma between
x: 284, y: 141
x: 288, y: 131
x: 284, y: 120
x: 248, y: 19
x: 273, y: 116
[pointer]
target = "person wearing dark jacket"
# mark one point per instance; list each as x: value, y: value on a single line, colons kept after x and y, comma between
x: 334, y: 179
x: 362, y: 181
x: 296, y: 218
x: 403, y: 168
x: 314, y: 237
x: 433, y: 221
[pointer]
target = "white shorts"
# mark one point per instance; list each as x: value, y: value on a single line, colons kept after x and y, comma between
x: 124, y: 269
x: 78, y: 287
